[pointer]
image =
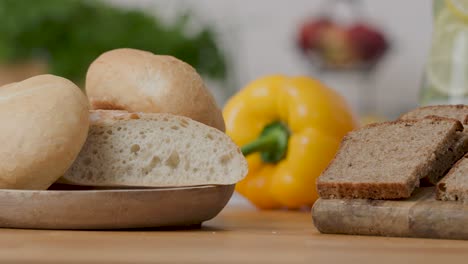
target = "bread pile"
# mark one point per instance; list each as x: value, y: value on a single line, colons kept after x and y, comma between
x: 389, y: 160
x: 152, y: 123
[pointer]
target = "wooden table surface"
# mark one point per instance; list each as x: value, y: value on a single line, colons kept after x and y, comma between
x: 237, y: 235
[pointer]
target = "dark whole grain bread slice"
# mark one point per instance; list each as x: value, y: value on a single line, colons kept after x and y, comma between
x: 387, y: 160
x: 454, y: 186
x: 459, y: 112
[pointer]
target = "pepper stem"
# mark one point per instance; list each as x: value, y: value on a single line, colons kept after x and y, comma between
x: 272, y: 143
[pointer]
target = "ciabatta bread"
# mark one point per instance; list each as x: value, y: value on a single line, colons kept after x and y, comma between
x: 159, y: 150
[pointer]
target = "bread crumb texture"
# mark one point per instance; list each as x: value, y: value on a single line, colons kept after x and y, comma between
x: 156, y: 150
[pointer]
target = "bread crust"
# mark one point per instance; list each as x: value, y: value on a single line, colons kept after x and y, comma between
x: 98, y: 117
x: 365, y: 190
x: 139, y: 81
x: 44, y: 125
x: 459, y: 126
x: 460, y: 107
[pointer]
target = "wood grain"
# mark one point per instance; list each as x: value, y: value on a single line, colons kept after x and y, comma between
x: 237, y: 235
x: 419, y: 216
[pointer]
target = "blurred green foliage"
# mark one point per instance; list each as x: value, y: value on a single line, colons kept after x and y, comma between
x: 70, y: 34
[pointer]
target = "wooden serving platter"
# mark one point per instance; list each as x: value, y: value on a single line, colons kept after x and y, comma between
x: 419, y: 216
x: 112, y: 208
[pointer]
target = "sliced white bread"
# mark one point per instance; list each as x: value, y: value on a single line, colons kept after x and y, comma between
x: 158, y: 150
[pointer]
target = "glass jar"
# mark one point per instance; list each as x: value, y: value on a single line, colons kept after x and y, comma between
x: 445, y: 79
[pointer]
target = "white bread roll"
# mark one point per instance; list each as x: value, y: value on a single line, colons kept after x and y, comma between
x: 157, y: 150
x: 139, y: 81
x: 44, y: 125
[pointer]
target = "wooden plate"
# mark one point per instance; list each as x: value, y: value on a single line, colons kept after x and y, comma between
x: 112, y: 209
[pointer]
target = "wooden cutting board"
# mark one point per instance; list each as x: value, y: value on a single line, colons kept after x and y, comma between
x: 419, y: 216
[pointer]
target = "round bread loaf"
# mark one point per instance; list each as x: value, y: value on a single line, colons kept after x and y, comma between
x: 45, y: 122
x: 139, y: 81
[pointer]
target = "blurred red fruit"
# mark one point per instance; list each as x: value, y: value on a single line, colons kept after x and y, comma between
x: 368, y: 42
x: 336, y: 48
x: 310, y: 32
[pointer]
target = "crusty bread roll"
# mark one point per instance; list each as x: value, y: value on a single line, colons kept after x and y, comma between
x: 44, y: 125
x: 139, y: 81
x: 154, y: 149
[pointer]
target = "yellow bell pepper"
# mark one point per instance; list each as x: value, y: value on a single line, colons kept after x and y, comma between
x: 289, y: 129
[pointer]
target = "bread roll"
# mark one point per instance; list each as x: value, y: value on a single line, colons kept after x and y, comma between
x: 151, y: 149
x: 139, y: 81
x: 44, y: 125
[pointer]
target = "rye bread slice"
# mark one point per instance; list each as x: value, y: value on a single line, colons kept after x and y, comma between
x: 459, y: 112
x: 454, y: 186
x: 387, y: 160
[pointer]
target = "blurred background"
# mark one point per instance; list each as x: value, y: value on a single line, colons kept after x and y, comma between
x: 233, y: 42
